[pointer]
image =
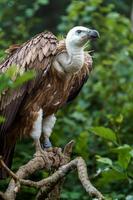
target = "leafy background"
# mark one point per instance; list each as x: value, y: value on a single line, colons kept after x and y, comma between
x: 100, y: 119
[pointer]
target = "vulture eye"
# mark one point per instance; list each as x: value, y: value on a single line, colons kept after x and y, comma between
x: 79, y: 31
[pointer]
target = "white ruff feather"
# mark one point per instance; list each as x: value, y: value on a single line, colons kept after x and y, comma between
x: 37, y: 128
x: 48, y: 125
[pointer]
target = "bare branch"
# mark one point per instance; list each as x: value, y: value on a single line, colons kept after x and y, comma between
x: 49, y: 188
x: 83, y: 176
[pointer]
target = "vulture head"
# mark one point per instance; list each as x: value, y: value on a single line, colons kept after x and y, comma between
x: 73, y: 60
x: 79, y: 35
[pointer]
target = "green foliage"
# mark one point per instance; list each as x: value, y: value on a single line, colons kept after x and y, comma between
x: 81, y: 144
x: 106, y: 100
x: 100, y: 119
x: 124, y: 155
x: 104, y: 133
x: 17, y: 20
x: 12, y: 78
x: 116, y: 169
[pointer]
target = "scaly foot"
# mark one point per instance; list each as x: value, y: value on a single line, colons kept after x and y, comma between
x: 47, y: 144
x: 42, y: 153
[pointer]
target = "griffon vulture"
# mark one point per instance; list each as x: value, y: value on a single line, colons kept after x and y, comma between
x: 62, y: 67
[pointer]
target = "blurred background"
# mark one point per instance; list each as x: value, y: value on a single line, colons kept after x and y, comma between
x: 100, y: 120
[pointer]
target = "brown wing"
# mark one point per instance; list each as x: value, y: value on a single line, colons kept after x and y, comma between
x: 80, y: 78
x: 12, y: 49
x: 36, y: 54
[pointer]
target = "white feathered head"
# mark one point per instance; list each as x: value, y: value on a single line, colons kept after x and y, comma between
x: 79, y: 35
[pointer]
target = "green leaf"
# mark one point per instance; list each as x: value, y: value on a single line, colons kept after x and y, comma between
x: 104, y: 160
x: 29, y: 12
x: 131, y: 153
x: 2, y: 119
x: 43, y: 2
x: 122, y: 149
x: 110, y: 176
x: 105, y: 133
x: 124, y: 155
x: 82, y: 144
x: 124, y: 159
x: 23, y: 78
x: 119, y: 119
x: 11, y: 71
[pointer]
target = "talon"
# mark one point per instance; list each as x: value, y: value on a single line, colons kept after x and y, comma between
x: 44, y: 155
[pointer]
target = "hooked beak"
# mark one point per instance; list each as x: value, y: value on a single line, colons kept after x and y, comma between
x: 93, y: 34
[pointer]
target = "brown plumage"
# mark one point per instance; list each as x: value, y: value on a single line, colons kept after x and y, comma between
x: 50, y: 90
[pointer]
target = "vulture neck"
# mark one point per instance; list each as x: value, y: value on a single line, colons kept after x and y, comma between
x: 72, y: 60
x: 75, y: 58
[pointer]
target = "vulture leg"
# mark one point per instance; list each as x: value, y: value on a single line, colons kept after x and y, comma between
x: 36, y: 134
x: 48, y: 124
x: 37, y: 130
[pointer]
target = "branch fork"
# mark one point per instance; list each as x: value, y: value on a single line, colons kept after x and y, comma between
x: 49, y: 188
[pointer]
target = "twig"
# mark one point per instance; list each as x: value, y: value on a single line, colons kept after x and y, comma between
x: 8, y: 170
x: 83, y: 176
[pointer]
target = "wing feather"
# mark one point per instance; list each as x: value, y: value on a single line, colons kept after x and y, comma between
x: 36, y: 54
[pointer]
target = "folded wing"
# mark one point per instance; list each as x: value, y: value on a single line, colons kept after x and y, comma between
x: 36, y: 54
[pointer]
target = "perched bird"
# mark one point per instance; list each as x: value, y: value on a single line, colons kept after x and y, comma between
x: 62, y: 68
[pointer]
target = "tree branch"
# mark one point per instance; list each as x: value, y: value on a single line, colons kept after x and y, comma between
x: 48, y: 187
